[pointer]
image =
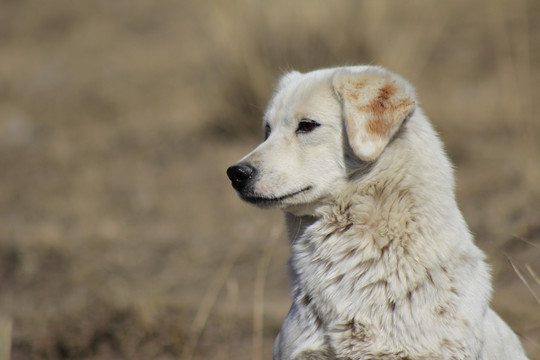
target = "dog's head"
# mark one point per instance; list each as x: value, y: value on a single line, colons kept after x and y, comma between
x: 312, y: 123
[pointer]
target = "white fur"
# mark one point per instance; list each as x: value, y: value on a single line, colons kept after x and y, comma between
x: 383, y: 265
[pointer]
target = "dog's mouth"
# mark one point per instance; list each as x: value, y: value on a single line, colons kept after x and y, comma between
x: 265, y: 201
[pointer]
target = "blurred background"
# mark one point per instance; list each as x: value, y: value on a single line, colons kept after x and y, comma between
x: 120, y: 235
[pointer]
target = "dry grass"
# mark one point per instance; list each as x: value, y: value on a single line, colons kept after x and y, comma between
x: 120, y: 235
x: 6, y: 327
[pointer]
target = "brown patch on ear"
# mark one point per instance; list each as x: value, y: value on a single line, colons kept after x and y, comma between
x: 379, y: 124
x: 375, y: 103
x: 381, y: 106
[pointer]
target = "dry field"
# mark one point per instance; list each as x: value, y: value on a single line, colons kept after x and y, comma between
x: 120, y: 236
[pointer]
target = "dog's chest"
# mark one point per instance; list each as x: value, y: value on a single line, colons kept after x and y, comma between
x: 367, y: 297
x: 341, y: 270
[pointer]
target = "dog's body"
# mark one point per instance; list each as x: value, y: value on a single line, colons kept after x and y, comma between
x: 383, y: 265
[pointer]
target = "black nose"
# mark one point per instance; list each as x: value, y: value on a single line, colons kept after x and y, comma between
x: 239, y: 175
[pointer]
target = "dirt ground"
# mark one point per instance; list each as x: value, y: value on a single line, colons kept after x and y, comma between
x: 120, y: 235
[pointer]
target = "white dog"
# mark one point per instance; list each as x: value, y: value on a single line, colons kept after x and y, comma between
x: 383, y: 265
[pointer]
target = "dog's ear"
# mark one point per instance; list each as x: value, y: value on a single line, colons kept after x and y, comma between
x: 375, y: 103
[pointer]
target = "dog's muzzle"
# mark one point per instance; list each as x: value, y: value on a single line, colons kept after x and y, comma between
x: 240, y: 176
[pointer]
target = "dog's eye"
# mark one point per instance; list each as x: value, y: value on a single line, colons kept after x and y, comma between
x: 305, y: 126
x: 267, y: 131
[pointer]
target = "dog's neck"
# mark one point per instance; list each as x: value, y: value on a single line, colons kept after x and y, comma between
x: 392, y: 191
x: 371, y: 251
